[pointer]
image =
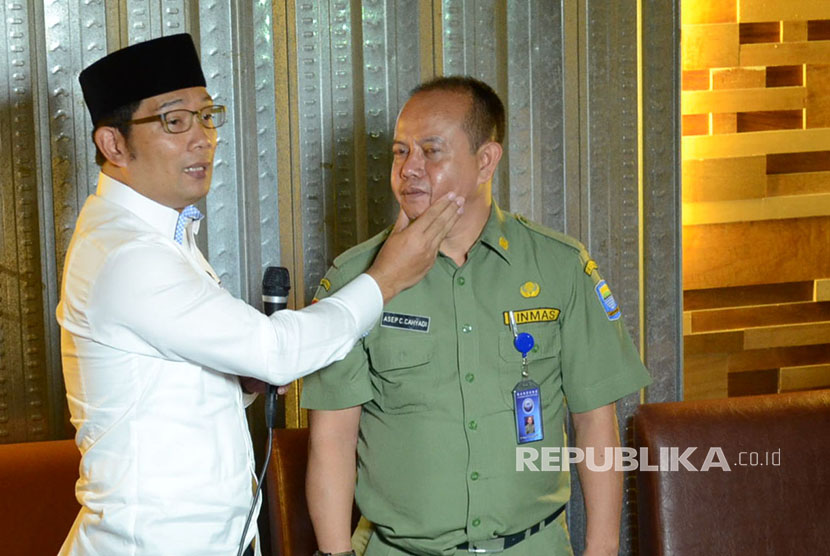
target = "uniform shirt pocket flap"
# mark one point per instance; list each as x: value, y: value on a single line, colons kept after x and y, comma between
x: 403, y: 353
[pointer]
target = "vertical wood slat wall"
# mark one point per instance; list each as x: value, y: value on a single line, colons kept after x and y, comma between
x: 756, y: 196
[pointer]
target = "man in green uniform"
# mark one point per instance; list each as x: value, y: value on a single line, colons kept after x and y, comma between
x: 427, y: 398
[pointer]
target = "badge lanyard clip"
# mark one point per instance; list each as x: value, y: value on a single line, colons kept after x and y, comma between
x: 522, y: 341
x: 527, y: 403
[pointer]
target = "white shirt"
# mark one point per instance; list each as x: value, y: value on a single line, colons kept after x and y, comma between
x: 151, y: 347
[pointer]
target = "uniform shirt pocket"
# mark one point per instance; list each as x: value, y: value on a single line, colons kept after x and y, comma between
x: 543, y: 362
x: 402, y: 374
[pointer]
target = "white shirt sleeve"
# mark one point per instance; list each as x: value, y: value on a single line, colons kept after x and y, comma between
x: 148, y: 299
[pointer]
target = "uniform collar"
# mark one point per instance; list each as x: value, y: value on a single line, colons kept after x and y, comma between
x: 161, y: 218
x: 494, y: 235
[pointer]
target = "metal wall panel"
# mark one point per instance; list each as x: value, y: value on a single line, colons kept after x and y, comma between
x: 266, y: 134
x: 324, y: 80
x: 24, y: 382
x: 223, y: 219
x: 391, y: 68
x: 314, y: 96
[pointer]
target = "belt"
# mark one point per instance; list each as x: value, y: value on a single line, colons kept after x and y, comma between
x: 500, y: 544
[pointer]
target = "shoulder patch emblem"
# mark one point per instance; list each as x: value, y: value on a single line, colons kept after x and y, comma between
x: 530, y: 289
x: 326, y: 284
x: 590, y: 266
x: 606, y: 298
x: 542, y: 314
x: 504, y: 243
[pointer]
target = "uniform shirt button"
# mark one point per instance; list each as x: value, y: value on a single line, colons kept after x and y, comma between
x: 476, y: 522
x: 467, y: 328
x: 474, y: 475
x: 469, y: 377
x: 473, y: 425
x: 460, y: 281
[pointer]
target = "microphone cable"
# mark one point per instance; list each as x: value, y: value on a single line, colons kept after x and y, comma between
x: 260, y: 480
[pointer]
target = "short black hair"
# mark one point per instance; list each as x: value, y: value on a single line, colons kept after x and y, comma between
x: 485, y: 119
x: 118, y: 119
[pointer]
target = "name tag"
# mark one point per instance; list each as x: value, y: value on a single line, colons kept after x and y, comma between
x: 405, y: 322
x: 527, y: 407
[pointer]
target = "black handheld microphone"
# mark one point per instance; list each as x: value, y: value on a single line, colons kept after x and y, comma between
x: 276, y: 284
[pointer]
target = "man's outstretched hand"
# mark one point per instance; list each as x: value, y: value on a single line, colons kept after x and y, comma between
x: 410, y: 250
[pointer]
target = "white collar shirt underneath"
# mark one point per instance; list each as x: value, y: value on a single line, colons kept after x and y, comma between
x: 151, y: 349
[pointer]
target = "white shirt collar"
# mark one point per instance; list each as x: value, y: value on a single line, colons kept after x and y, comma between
x: 160, y: 217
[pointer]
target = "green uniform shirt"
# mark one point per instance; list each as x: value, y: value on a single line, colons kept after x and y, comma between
x: 437, y: 443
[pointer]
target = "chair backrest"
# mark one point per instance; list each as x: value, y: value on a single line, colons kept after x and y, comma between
x: 37, y: 496
x: 291, y: 530
x: 775, y: 497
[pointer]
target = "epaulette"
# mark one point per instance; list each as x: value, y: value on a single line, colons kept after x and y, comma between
x: 589, y: 266
x: 371, y: 244
x: 553, y: 234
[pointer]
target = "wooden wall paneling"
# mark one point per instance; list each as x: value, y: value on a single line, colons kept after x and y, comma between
x: 775, y: 10
x: 747, y: 253
x: 784, y: 76
x: 705, y: 376
x: 805, y: 378
x: 738, y: 78
x: 794, y: 31
x: 708, y: 11
x: 783, y: 54
x: 711, y: 45
x: 724, y: 179
x: 817, y: 103
x: 766, y: 31
x: 723, y: 123
x: 769, y: 120
x: 696, y: 124
x: 773, y: 208
x: 787, y: 292
x: 744, y: 100
x: 800, y: 183
x: 695, y: 80
x: 796, y: 161
x: 759, y: 315
x: 756, y: 195
x: 818, y: 30
x: 755, y: 143
x: 787, y: 335
x: 790, y: 356
x: 753, y: 383
x: 714, y: 342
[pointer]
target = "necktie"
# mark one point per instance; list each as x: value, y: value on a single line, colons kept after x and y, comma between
x: 187, y: 215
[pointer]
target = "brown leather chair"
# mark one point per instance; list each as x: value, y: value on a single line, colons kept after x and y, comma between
x: 37, y: 496
x: 291, y: 530
x: 775, y: 499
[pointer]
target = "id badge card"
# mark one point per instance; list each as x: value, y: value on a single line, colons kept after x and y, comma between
x: 527, y: 408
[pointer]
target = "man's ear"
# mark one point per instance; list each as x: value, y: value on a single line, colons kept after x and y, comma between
x: 488, y: 155
x: 112, y: 145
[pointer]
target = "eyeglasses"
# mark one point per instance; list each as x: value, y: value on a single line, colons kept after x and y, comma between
x: 179, y: 121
